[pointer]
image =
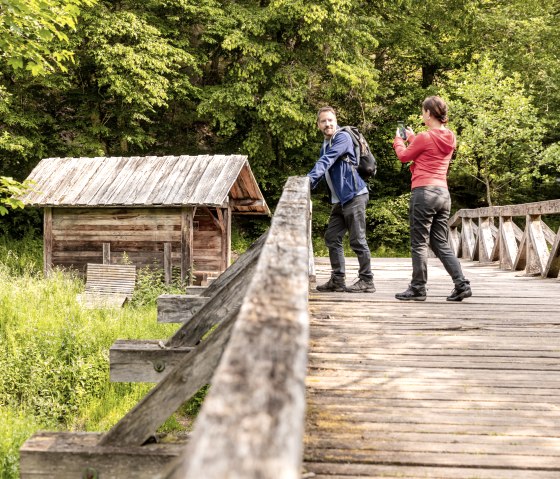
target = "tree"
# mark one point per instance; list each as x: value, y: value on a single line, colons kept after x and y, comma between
x: 499, y: 135
x: 32, y: 32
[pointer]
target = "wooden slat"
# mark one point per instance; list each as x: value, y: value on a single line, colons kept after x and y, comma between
x: 79, y: 455
x: 435, y: 389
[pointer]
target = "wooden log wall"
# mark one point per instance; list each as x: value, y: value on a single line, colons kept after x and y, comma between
x: 76, y: 236
x: 515, y: 236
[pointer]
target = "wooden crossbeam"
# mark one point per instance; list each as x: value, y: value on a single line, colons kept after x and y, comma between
x: 178, y: 308
x: 49, y: 455
x: 142, y: 361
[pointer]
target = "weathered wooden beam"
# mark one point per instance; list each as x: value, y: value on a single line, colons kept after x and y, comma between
x: 146, y: 361
x: 455, y: 240
x: 508, y: 243
x: 167, y: 262
x: 226, y: 294
x: 106, y: 253
x: 193, y: 371
x: 178, y: 308
x: 538, y: 244
x: 485, y: 240
x: 187, y: 216
x: 251, y: 425
x: 225, y: 300
x: 78, y: 455
x: 47, y: 241
x: 537, y: 208
x: 468, y: 239
x: 553, y: 265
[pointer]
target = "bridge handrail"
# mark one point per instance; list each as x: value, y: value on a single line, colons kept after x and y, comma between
x: 524, y: 209
x: 535, y: 249
x: 252, y: 420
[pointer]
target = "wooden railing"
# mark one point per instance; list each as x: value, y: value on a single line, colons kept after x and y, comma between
x: 516, y: 236
x: 248, y: 339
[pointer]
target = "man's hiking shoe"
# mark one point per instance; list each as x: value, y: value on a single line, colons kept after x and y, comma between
x: 361, y: 286
x: 332, y: 285
x: 460, y: 292
x: 411, y: 294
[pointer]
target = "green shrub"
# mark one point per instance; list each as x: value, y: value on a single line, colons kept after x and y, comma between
x: 388, y: 229
x: 15, y: 428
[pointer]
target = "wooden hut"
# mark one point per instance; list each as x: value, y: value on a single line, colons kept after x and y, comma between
x: 170, y: 211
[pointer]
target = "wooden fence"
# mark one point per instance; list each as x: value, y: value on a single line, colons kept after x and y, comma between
x: 248, y: 338
x: 515, y: 235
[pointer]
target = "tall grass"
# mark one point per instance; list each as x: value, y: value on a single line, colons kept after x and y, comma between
x: 54, y: 355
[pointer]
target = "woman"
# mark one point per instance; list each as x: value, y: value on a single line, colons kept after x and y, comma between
x: 429, y: 154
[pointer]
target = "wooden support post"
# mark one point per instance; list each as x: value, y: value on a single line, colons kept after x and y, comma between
x: 47, y: 241
x: 187, y: 216
x: 468, y: 239
x: 455, y: 240
x: 485, y: 239
x: 167, y: 263
x: 553, y: 265
x: 106, y: 253
x: 537, y: 245
x: 508, y: 243
x: 193, y: 371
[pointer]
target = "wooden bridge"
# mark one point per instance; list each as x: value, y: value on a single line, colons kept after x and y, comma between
x: 338, y: 385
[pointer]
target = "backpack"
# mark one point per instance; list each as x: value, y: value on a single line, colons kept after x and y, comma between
x: 367, y: 164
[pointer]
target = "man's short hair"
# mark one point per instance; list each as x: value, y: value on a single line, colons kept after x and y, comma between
x: 324, y: 109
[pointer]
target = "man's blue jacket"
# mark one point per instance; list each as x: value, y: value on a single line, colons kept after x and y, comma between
x: 345, y: 179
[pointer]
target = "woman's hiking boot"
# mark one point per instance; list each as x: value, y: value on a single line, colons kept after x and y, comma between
x: 460, y: 292
x: 411, y: 294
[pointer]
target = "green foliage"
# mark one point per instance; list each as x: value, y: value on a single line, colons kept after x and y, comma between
x: 54, y: 367
x: 500, y: 136
x: 31, y: 32
x: 150, y: 283
x: 388, y: 225
x: 15, y: 429
x: 10, y: 190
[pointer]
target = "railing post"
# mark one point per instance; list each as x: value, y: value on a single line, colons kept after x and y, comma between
x: 468, y: 239
x: 485, y: 239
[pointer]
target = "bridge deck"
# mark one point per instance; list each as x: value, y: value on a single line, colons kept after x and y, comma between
x: 435, y: 389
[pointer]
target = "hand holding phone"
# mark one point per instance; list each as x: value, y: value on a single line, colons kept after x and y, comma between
x: 401, y: 129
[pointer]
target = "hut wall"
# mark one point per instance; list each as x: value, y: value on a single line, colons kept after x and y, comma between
x: 78, y: 235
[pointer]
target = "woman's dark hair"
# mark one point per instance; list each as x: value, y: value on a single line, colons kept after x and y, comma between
x: 437, y: 107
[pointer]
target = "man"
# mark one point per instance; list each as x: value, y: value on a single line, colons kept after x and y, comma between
x: 349, y: 195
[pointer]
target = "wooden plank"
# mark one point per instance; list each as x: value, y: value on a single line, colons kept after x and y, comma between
x: 143, y: 361
x: 47, y: 241
x: 187, y: 215
x: 436, y: 389
x: 252, y: 421
x: 552, y: 269
x: 78, y: 455
x: 178, y: 308
x: 192, y: 371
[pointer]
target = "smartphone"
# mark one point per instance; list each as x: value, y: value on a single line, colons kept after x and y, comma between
x: 402, y: 130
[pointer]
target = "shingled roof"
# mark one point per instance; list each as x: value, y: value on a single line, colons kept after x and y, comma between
x: 147, y: 181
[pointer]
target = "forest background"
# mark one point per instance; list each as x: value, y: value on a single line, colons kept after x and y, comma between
x: 86, y: 78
